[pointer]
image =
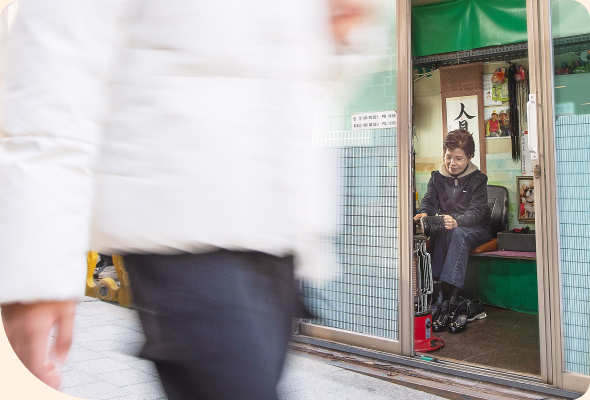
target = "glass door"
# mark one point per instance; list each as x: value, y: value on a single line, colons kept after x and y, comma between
x: 564, y: 145
x: 364, y: 119
x: 560, y: 108
x: 462, y: 59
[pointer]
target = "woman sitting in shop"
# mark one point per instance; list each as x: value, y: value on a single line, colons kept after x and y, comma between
x: 457, y: 193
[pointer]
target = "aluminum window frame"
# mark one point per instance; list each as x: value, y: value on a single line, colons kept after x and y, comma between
x: 541, y: 54
x: 404, y: 344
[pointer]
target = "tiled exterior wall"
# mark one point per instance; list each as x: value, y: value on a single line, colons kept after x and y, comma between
x: 364, y: 297
x: 573, y: 185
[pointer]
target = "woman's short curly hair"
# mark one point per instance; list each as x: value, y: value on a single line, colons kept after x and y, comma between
x: 460, y: 139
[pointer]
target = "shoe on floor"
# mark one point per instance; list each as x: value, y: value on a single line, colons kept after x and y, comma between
x: 458, y: 322
x: 442, y: 317
x: 475, y: 310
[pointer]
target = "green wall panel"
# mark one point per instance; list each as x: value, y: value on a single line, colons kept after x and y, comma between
x: 503, y: 282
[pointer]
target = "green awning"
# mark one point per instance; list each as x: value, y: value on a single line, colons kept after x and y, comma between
x: 457, y: 25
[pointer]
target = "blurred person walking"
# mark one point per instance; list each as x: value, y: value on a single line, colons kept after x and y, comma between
x: 178, y: 134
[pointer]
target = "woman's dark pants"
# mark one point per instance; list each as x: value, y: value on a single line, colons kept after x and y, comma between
x: 449, y: 252
x: 218, y: 324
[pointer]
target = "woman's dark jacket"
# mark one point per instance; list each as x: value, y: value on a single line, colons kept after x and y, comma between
x: 465, y: 198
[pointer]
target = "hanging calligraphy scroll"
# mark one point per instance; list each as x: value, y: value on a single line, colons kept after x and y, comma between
x: 462, y: 105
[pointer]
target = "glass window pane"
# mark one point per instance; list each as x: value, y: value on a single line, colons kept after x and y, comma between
x: 571, y: 29
x: 364, y: 296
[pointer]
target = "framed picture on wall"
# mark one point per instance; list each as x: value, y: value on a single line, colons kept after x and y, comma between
x: 497, y: 122
x: 525, y: 190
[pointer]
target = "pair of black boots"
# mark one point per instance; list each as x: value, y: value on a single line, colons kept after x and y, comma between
x: 448, y: 311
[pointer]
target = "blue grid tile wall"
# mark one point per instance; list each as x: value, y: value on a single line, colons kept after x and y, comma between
x: 364, y: 297
x: 573, y: 182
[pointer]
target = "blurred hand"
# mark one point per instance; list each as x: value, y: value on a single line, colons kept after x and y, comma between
x: 450, y: 222
x: 418, y: 216
x: 346, y: 14
x: 28, y: 326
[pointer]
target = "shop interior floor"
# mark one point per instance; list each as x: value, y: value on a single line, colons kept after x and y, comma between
x: 505, y: 339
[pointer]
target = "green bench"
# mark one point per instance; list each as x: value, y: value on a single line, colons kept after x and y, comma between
x: 507, y: 282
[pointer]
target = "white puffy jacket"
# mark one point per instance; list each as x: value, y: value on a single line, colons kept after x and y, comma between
x: 156, y: 126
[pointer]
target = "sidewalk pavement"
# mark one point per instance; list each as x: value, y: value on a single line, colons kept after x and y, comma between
x: 103, y: 364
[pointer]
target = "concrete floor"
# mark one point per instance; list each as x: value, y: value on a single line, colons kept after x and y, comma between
x: 103, y: 364
x: 308, y: 378
x: 505, y: 339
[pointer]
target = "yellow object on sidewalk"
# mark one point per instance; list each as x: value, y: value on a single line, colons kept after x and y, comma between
x: 107, y: 288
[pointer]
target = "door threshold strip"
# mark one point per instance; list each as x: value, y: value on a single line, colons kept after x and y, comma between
x: 528, y: 383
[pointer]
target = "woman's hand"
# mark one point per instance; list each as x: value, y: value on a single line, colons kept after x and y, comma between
x: 450, y: 222
x: 418, y: 216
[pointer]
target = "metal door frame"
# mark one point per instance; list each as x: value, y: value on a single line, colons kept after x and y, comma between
x: 548, y: 277
x: 541, y: 83
x: 404, y: 344
x: 405, y: 198
x: 547, y: 224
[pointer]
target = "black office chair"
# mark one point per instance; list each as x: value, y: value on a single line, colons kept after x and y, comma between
x: 498, y: 203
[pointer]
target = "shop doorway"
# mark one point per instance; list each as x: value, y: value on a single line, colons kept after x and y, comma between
x: 537, y: 307
x: 502, y: 276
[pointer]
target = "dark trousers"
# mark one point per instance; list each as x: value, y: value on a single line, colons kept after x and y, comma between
x: 218, y: 324
x: 449, y: 252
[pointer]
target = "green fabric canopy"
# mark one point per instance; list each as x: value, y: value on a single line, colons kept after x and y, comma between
x: 457, y: 25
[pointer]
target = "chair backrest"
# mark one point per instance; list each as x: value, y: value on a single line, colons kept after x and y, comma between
x: 498, y: 203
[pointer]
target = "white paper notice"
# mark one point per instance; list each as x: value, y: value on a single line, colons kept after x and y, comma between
x: 374, y: 120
